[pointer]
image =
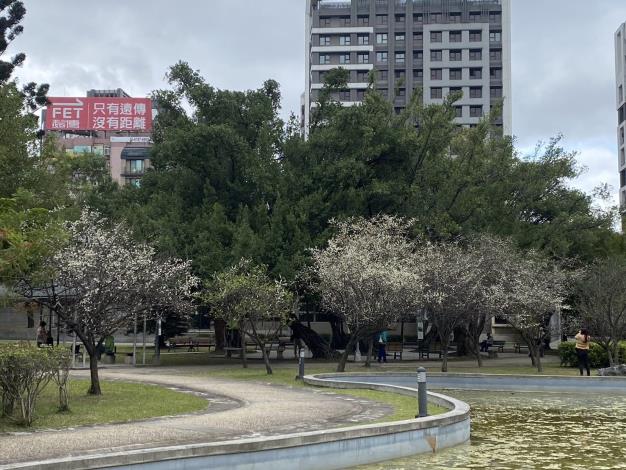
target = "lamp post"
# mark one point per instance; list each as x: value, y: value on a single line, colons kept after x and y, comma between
x: 300, y: 365
x: 422, y: 395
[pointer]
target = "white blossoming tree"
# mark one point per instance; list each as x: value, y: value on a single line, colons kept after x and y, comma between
x: 450, y: 281
x: 534, y: 289
x: 244, y: 296
x: 102, y: 278
x: 364, y: 275
x: 488, y: 257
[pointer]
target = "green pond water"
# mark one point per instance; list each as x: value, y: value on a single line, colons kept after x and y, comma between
x: 533, y: 431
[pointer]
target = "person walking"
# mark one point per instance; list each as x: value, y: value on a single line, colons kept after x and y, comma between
x: 42, y: 334
x: 382, y: 344
x: 583, y: 341
x: 487, y: 343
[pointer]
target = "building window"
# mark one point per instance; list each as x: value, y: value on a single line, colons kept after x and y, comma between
x: 476, y: 74
x: 400, y: 74
x: 455, y: 17
x: 363, y: 20
x: 344, y: 95
x: 474, y: 16
x: 622, y: 158
x: 476, y: 92
x: 383, y: 75
x: 418, y: 74
x: 620, y: 93
x: 456, y: 55
x: 381, y: 38
x: 436, y: 93
x: 436, y: 36
x: 496, y: 92
x: 621, y: 136
x: 418, y: 37
x: 360, y: 95
x: 400, y: 58
x: 475, y: 36
x: 345, y: 20
x: 436, y: 17
x: 495, y: 36
x: 495, y: 17
x: 363, y: 58
x: 325, y: 21
x: 456, y: 74
x: 476, y: 111
x: 381, y: 19
x: 322, y: 76
x: 324, y: 59
x: 476, y: 54
x: 436, y: 74
x: 496, y: 74
x: 418, y: 18
x: 362, y: 76
x: 381, y: 57
x: 418, y: 56
x: 136, y: 182
x: 399, y: 37
x: 401, y: 93
x: 456, y: 36
x: 344, y: 40
x: 399, y: 18
x: 324, y: 40
x: 458, y: 111
x: 135, y: 166
x: 495, y: 55
x: 363, y: 39
x: 436, y: 56
x: 344, y: 58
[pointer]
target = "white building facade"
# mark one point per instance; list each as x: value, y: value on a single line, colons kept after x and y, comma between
x: 620, y: 89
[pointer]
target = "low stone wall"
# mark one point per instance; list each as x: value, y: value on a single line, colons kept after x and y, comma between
x: 317, y: 450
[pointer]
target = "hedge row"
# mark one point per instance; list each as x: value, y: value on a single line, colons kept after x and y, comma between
x: 597, y: 355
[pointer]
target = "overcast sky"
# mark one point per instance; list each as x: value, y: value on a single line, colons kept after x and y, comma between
x: 563, y: 58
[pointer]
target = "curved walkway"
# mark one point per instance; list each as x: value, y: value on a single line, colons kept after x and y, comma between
x: 259, y: 410
x: 493, y: 383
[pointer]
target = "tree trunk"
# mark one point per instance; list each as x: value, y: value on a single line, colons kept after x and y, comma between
x: 341, y: 367
x: 94, y: 389
x: 244, y: 355
x: 339, y: 339
x: 266, y: 360
x: 444, y: 352
x: 316, y: 344
x: 612, y: 352
x: 220, y: 334
x: 370, y: 349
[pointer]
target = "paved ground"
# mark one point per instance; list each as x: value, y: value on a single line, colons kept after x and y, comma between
x: 236, y: 410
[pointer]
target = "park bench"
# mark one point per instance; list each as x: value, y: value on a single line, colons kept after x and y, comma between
x: 396, y: 348
x: 498, y: 345
x: 229, y: 350
x: 192, y: 343
x: 518, y: 347
x: 425, y: 352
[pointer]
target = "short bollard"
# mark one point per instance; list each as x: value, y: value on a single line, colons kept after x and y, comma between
x: 301, y: 365
x: 422, y: 395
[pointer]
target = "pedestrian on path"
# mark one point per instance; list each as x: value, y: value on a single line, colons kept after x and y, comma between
x: 382, y: 344
x: 42, y: 334
x: 583, y: 341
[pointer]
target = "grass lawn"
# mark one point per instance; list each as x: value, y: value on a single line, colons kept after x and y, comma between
x: 404, y: 406
x: 119, y: 402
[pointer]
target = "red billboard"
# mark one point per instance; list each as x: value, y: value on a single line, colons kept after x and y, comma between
x: 99, y: 114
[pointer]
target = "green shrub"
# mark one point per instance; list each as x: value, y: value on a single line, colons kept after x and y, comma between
x: 24, y: 372
x: 598, y: 356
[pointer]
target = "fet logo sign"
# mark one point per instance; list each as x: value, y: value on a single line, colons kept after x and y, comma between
x: 99, y: 114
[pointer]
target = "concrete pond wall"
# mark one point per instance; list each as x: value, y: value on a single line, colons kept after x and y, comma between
x: 318, y: 450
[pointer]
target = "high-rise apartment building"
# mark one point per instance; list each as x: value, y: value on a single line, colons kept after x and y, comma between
x: 442, y: 46
x: 620, y: 74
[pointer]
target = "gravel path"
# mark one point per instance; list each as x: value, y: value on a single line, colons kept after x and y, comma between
x: 236, y: 410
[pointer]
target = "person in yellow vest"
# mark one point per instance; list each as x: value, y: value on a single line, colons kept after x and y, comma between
x: 583, y: 341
